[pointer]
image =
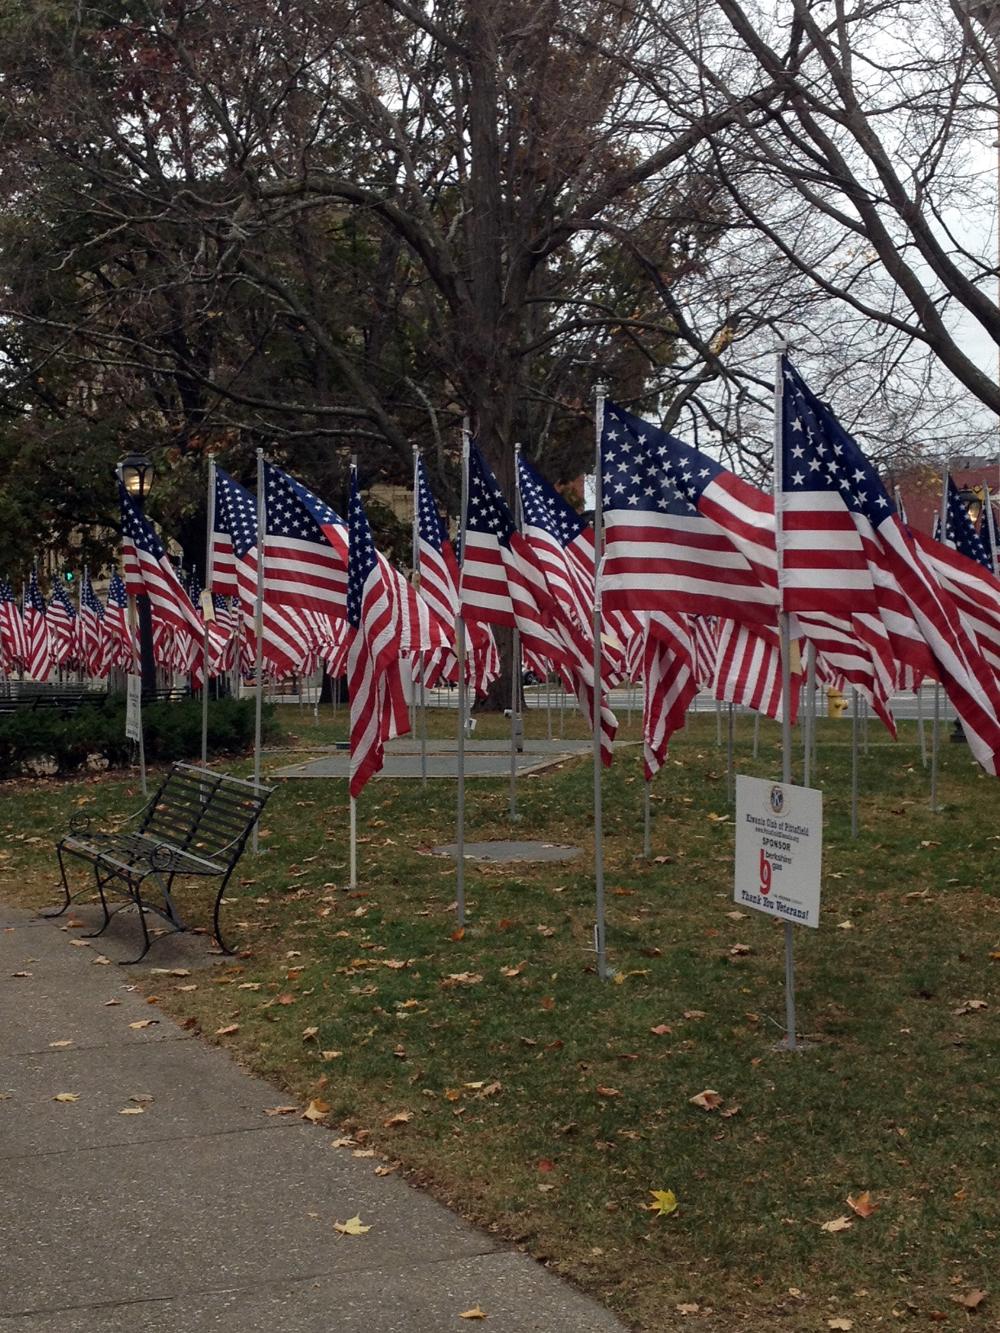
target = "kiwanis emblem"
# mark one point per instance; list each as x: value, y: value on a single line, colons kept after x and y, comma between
x: 777, y: 799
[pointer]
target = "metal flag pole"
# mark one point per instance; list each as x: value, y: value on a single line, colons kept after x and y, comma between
x: 208, y: 606
x: 600, y: 941
x: 936, y: 725
x: 756, y: 734
x: 415, y: 564
x: 462, y: 688
x: 352, y: 804
x: 133, y: 615
x: 647, y: 841
x: 258, y: 624
x: 808, y: 720
x: 854, y: 765
x: 548, y: 704
x: 786, y: 681
x: 515, y: 666
x: 730, y: 774
x: 991, y: 530
x: 920, y: 724
x: 718, y: 723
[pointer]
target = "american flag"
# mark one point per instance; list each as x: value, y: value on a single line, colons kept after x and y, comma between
x: 705, y: 632
x: 305, y: 564
x: 148, y: 569
x: 62, y: 624
x: 681, y: 533
x: 975, y: 590
x: 748, y: 670
x: 563, y: 542
x: 124, y: 649
x: 287, y: 641
x: 93, y: 638
x: 38, y: 657
x: 437, y: 570
x: 503, y: 583
x: 668, y: 672
x: 12, y: 636
x: 378, y: 709
x: 960, y: 531
x: 827, y: 477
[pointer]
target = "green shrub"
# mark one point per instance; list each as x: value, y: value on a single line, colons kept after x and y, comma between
x: 170, y: 731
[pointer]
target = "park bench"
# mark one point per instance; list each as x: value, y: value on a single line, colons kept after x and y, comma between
x: 45, y: 698
x: 197, y: 824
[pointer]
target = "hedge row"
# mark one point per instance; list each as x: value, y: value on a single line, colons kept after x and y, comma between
x: 94, y: 735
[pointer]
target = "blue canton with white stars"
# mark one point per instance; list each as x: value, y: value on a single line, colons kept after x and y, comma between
x: 960, y: 531
x: 645, y: 470
x: 432, y: 530
x: 6, y: 592
x: 235, y: 513
x: 117, y: 596
x: 362, y: 559
x: 90, y: 599
x: 34, y: 596
x: 292, y: 510
x: 489, y: 512
x: 135, y: 527
x: 819, y: 455
x: 60, y: 595
x: 543, y: 507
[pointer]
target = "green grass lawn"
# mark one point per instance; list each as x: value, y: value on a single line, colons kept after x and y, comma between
x: 541, y: 1102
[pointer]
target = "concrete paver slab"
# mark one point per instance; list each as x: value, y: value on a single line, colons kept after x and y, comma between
x: 517, y: 1296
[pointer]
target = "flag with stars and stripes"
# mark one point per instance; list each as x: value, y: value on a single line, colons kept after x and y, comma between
x: 378, y: 707
x: 13, y: 643
x: 841, y: 532
x: 38, y: 643
x: 149, y: 570
x: 974, y: 589
x: 668, y: 673
x: 437, y: 584
x: 124, y: 649
x: 305, y: 565
x: 62, y: 624
x: 287, y: 642
x: 960, y: 531
x: 748, y: 670
x: 503, y: 583
x: 92, y: 636
x: 563, y: 542
x: 681, y: 532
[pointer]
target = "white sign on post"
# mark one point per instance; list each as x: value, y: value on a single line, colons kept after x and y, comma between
x: 133, y: 708
x: 779, y: 849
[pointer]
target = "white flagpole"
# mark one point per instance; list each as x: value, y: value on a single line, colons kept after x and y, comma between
x: 210, y: 528
x: 515, y: 671
x: 133, y: 632
x: 756, y: 734
x: 352, y: 804
x: 854, y: 765
x: 600, y: 942
x: 548, y: 704
x: 647, y: 839
x: 462, y: 689
x: 258, y: 621
x: 730, y: 774
x: 786, y: 683
x: 354, y: 842
x: 808, y: 719
x: 415, y: 563
x: 920, y: 724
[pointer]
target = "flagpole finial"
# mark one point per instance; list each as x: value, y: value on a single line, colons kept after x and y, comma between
x: 601, y: 388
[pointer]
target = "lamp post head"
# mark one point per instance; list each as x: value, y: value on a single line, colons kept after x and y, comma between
x: 137, y: 475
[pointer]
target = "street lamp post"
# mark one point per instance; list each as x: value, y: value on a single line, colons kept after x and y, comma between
x: 137, y: 471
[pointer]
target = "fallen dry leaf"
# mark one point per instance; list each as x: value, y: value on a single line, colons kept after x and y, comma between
x: 687, y: 1307
x: 280, y: 1110
x: 695, y: 1013
x: 20, y: 974
x: 740, y: 950
x: 316, y: 1110
x: 132, y: 1110
x: 728, y: 1112
x: 512, y: 971
x: 845, y: 925
x: 400, y: 1118
x: 972, y: 1300
x: 66, y: 1097
x: 664, y: 1203
x: 840, y: 1322
x: 969, y: 1007
x: 837, y: 1224
x: 141, y: 1023
x: 227, y: 1031
x: 461, y: 979
x: 59, y: 1045
x: 709, y: 1100
x: 861, y: 1204
x: 352, y: 1227
x: 331, y: 1055
x: 474, y: 1313
x: 607, y: 1092
x: 309, y: 1034
x: 661, y: 1030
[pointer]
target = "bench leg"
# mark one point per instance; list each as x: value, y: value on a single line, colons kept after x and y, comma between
x: 135, y: 893
x: 104, y: 904
x: 50, y: 916
x: 216, y: 928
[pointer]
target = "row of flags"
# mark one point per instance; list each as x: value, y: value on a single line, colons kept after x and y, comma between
x: 698, y: 565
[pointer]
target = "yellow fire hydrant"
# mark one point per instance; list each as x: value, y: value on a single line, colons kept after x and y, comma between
x: 836, y: 703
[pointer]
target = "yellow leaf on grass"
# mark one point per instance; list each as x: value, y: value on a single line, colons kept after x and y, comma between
x: 227, y: 1031
x: 331, y: 1055
x: 474, y: 1313
x: 972, y: 1300
x: 837, y: 1224
x: 66, y: 1097
x: 709, y: 1100
x: 352, y: 1227
x: 309, y: 1034
x: 664, y: 1202
x: 840, y: 1322
x: 316, y: 1110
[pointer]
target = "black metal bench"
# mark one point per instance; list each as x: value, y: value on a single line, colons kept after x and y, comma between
x: 196, y: 824
x: 63, y: 699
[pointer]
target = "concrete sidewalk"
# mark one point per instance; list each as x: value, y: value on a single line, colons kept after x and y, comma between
x: 203, y: 1213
